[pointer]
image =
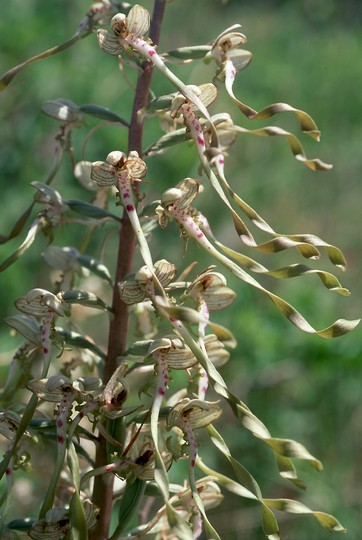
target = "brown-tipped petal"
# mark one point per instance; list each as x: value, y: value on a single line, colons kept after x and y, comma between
x: 138, y: 21
x: 109, y: 43
x: 165, y: 271
x: 103, y: 174
x: 131, y: 292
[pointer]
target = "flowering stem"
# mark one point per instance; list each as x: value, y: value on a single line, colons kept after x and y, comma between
x: 103, y: 486
x: 62, y: 425
x: 33, y: 402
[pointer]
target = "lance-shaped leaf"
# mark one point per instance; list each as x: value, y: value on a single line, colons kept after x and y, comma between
x: 84, y: 298
x: 62, y: 258
x: 63, y: 110
x: 160, y: 103
x: 76, y: 340
x: 194, y: 52
x: 102, y: 112
x: 35, y: 228
x: 164, y: 142
x: 85, y: 27
x: 18, y: 227
x: 27, y: 326
x: 90, y: 210
x: 47, y: 194
x: 181, y: 313
x: 95, y: 266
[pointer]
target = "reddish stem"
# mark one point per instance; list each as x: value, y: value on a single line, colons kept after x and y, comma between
x: 117, y: 339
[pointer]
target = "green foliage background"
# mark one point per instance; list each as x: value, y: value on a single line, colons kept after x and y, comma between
x: 306, y: 53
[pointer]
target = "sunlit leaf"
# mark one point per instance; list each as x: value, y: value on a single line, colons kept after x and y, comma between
x: 74, y: 339
x: 85, y: 299
x: 295, y: 507
x: 33, y: 231
x: 195, y: 52
x: 63, y: 110
x: 95, y: 266
x: 102, y: 112
x: 26, y: 325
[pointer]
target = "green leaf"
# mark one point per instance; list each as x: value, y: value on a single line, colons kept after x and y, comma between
x: 85, y: 299
x: 90, y: 210
x: 167, y: 140
x: 20, y: 524
x: 195, y: 52
x: 243, y: 476
x: 180, y: 527
x: 102, y: 112
x: 181, y: 313
x: 19, y: 225
x: 76, y: 510
x: 77, y: 340
x: 27, y: 326
x: 33, y: 231
x: 159, y: 103
x: 270, y: 524
x: 96, y: 267
x: 132, y: 496
x: 63, y: 110
x: 11, y: 73
x: 139, y: 348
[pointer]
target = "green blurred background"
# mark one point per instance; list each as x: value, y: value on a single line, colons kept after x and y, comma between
x: 307, y: 53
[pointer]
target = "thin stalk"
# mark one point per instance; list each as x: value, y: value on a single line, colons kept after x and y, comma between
x: 117, y: 340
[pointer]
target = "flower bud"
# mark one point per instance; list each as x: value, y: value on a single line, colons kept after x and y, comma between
x: 116, y: 158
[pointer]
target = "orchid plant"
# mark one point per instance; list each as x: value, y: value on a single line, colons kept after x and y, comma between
x: 119, y: 413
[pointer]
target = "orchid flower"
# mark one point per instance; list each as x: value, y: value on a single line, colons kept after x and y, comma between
x: 209, y: 292
x: 128, y: 34
x: 189, y: 415
x: 123, y: 171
